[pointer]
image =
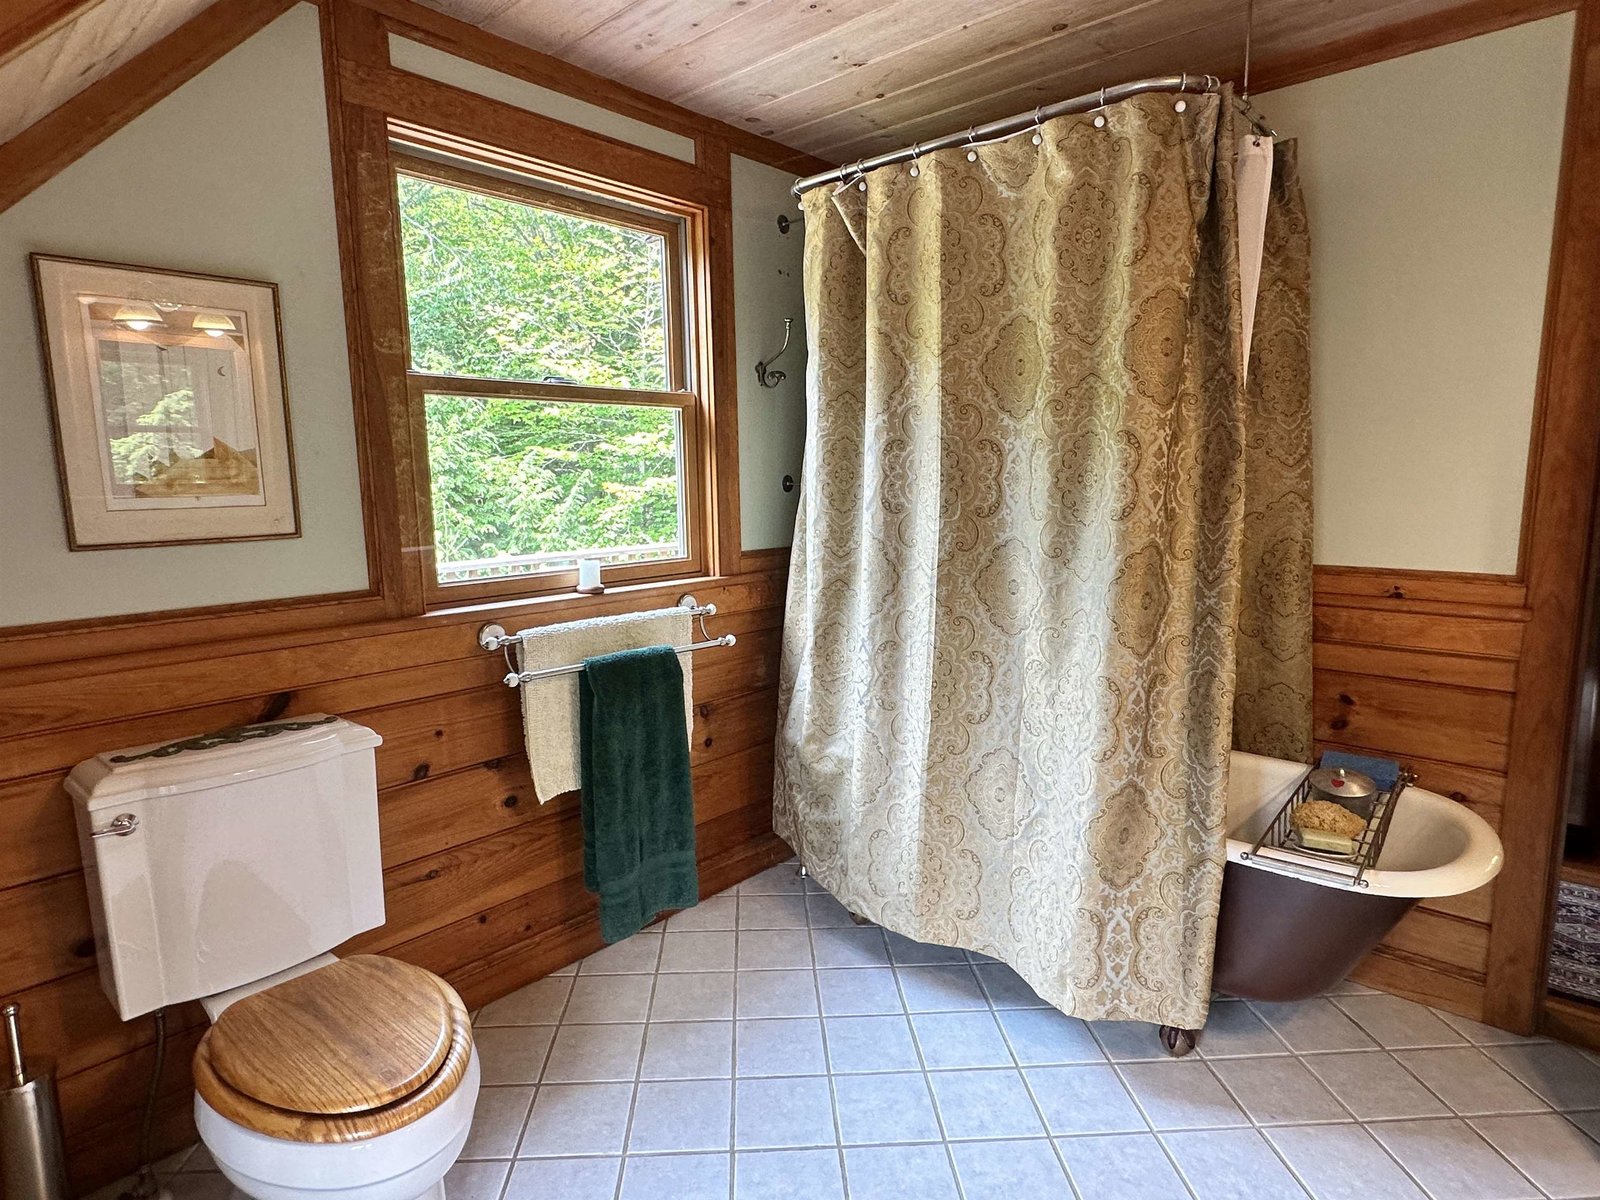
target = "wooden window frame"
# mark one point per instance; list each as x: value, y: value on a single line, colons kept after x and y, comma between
x: 682, y: 227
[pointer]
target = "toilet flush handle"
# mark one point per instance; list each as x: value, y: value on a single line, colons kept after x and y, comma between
x: 121, y: 826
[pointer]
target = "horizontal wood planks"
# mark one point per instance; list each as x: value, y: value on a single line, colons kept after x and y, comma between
x: 1423, y: 668
x: 482, y: 883
x: 855, y: 77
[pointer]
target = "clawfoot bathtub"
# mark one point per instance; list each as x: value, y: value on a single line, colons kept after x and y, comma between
x: 1282, y: 936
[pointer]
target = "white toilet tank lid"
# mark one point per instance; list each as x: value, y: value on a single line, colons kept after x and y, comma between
x: 208, y: 760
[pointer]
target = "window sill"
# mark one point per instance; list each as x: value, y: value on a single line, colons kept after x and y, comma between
x: 669, y: 590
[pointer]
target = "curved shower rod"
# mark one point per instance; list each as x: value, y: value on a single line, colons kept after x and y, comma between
x: 1006, y: 126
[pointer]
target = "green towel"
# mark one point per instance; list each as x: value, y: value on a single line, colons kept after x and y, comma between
x: 638, y: 808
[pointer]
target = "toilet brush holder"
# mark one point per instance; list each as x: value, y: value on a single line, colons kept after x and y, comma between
x: 32, y: 1166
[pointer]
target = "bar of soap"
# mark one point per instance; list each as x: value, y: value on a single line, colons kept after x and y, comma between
x: 1321, y: 839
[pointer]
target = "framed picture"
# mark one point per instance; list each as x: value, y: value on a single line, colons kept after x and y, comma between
x: 171, y: 414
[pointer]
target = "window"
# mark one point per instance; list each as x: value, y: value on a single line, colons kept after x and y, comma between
x: 550, y: 375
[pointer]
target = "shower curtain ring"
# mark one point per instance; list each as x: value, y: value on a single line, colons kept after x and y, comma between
x: 1100, y: 117
x: 972, y: 154
x: 1038, y: 137
x: 916, y: 153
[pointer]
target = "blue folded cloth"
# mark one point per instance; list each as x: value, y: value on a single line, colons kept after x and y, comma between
x: 1385, y: 772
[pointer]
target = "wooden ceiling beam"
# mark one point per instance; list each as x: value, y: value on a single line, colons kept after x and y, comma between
x: 1393, y: 41
x: 54, y: 141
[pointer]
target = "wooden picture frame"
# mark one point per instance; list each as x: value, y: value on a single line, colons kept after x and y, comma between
x: 169, y: 405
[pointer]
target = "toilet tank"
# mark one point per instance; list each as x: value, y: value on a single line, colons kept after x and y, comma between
x: 216, y: 861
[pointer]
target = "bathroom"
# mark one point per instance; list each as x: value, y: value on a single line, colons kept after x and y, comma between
x: 295, y: 223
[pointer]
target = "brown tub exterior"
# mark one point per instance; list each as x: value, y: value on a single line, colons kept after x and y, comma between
x: 1282, y: 938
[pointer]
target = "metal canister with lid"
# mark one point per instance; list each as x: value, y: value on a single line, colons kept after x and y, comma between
x: 31, y: 1163
x: 1355, y: 791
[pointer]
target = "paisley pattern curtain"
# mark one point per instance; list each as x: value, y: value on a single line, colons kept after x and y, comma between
x: 1272, y: 707
x: 1014, y: 607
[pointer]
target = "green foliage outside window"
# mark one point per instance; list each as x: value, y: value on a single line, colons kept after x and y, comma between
x: 501, y: 289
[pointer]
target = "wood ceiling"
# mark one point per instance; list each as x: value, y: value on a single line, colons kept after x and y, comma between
x: 848, y: 78
x: 839, y: 78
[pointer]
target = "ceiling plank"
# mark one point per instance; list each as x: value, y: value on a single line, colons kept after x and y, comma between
x: 763, y: 32
x: 552, y: 27
x: 837, y: 76
x: 894, y: 90
x: 27, y: 22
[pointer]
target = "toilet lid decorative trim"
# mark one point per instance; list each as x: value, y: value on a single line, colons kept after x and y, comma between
x: 347, y: 1040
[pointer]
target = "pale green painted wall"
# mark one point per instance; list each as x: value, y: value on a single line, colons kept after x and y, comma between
x: 229, y: 175
x: 1431, y: 184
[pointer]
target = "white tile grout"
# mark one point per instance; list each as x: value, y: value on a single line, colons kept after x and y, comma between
x: 900, y: 972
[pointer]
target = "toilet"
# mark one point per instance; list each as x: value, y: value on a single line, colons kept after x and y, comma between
x: 225, y: 868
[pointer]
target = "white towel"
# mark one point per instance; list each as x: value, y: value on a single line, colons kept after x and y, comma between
x: 1252, y: 175
x: 550, y: 706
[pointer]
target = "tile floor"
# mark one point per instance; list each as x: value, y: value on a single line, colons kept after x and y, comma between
x: 763, y: 1047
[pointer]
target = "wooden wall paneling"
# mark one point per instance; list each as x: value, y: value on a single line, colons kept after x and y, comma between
x: 1423, y: 979
x: 1461, y: 944
x: 1422, y: 667
x: 1571, y: 1021
x: 1377, y: 584
x: 94, y: 114
x: 1408, y: 629
x: 1466, y: 726
x: 458, y: 858
x: 56, y: 642
x: 469, y: 878
x: 1562, y: 474
x: 390, y: 664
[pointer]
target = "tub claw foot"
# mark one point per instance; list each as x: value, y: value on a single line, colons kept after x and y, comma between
x: 1177, y: 1041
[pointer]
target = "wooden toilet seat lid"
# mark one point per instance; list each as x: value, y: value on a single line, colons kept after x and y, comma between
x: 346, y: 1038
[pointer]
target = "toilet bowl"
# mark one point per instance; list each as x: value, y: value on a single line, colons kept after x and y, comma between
x: 224, y: 868
x: 355, y: 1080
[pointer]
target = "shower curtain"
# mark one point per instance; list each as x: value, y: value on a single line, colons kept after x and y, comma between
x: 1021, y: 578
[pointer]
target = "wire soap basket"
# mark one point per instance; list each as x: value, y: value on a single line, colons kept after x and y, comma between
x: 1278, y: 845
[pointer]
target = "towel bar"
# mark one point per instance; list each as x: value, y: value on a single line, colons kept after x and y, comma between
x: 494, y: 637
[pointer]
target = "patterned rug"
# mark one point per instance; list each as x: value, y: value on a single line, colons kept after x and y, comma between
x: 1575, y: 947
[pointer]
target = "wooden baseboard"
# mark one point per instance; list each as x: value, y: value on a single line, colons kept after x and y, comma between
x: 1571, y: 1021
x: 1434, y: 984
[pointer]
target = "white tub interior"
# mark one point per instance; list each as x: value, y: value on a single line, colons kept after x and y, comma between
x: 1435, y: 846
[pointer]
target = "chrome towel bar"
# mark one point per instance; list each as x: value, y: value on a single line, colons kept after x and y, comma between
x: 494, y: 637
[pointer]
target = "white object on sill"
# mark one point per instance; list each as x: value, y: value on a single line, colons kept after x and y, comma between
x: 589, y: 576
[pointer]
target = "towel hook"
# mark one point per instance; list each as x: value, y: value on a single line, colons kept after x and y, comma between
x: 765, y: 375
